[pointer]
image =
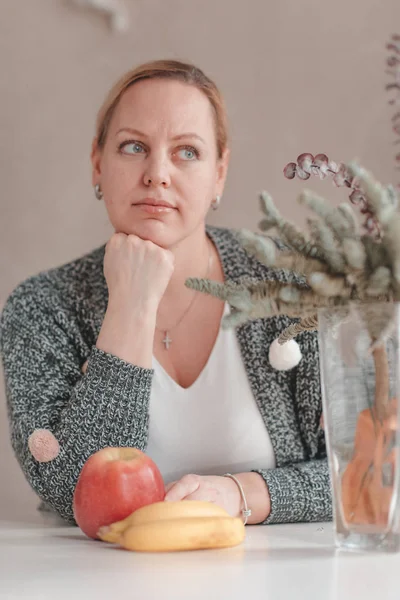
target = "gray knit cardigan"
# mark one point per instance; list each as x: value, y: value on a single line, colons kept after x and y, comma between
x: 48, y: 329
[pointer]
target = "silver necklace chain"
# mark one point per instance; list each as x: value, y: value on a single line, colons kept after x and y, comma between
x: 167, y: 341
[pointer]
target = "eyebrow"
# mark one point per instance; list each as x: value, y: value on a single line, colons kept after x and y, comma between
x: 177, y: 137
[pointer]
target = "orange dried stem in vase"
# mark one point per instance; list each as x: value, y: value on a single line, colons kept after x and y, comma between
x: 368, y: 481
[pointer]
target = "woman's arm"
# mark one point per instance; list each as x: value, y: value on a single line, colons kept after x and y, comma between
x: 298, y: 493
x: 295, y: 493
x: 289, y: 494
x: 45, y: 388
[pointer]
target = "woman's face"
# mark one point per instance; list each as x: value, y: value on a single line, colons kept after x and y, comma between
x: 160, y: 148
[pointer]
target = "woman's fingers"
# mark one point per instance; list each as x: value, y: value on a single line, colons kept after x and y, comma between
x: 185, y: 486
x: 169, y: 486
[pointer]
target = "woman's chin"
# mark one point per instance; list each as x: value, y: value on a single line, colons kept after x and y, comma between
x: 152, y: 230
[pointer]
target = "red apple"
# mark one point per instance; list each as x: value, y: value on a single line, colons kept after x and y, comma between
x: 113, y: 483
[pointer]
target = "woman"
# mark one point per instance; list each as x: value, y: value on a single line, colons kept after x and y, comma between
x: 113, y: 350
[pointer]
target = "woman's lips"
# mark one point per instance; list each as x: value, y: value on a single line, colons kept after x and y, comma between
x: 153, y: 209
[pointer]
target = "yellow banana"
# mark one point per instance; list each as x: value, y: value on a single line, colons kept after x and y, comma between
x: 159, y: 511
x: 185, y: 533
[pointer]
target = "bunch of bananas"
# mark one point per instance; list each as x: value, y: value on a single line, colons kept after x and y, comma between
x: 171, y: 526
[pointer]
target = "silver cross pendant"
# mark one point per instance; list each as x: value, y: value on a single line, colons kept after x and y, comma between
x: 167, y: 341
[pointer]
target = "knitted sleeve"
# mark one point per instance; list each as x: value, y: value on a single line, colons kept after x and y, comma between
x: 299, y: 493
x: 45, y: 388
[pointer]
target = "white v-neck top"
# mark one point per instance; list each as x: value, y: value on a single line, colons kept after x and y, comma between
x: 212, y: 427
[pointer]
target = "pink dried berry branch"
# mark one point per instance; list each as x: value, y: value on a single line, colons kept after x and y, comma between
x: 320, y: 166
x: 393, y: 62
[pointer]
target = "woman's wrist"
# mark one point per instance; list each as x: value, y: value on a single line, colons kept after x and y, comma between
x: 257, y: 496
x: 128, y: 333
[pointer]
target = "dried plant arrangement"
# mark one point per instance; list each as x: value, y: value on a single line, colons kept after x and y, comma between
x: 346, y: 260
x: 342, y: 263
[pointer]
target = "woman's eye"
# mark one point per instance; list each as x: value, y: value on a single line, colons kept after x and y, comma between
x: 188, y: 153
x: 131, y: 148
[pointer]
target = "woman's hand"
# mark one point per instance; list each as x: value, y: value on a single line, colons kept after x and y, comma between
x: 137, y: 271
x: 225, y: 492
x: 220, y: 490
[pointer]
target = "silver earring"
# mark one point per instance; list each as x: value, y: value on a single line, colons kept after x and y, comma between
x: 215, y: 203
x: 97, y: 192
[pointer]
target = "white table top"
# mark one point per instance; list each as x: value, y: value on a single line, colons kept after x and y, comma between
x: 42, y: 561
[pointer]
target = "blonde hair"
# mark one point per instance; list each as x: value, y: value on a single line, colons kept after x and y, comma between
x: 165, y: 69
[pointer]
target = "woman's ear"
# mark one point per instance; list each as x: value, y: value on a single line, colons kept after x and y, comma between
x: 95, y: 157
x: 222, y: 171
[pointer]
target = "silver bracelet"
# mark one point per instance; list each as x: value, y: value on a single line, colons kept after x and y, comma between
x: 246, y: 511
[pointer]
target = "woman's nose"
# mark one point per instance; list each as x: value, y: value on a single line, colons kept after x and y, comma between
x: 157, y: 173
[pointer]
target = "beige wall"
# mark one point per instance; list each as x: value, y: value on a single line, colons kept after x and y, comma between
x: 298, y: 75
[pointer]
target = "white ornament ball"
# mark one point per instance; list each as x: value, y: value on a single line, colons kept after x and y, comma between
x: 284, y: 356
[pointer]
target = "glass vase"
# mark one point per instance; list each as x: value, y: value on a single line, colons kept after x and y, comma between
x: 359, y: 358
